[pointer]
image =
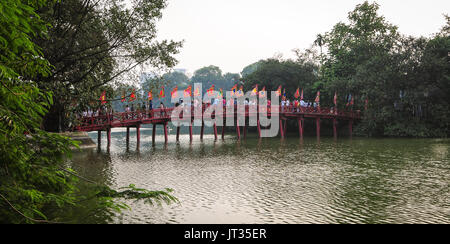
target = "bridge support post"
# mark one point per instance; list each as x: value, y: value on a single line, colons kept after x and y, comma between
x: 238, y: 130
x: 334, y: 128
x: 138, y: 136
x: 202, y: 130
x: 108, y: 131
x: 215, y: 131
x: 350, y: 127
x: 281, y: 129
x: 153, y: 134
x: 99, y: 138
x: 300, y: 127
x: 166, y: 139
x: 190, y: 131
x: 259, y: 128
x: 318, y: 128
x: 178, y: 133
x: 245, y: 131
x: 128, y: 136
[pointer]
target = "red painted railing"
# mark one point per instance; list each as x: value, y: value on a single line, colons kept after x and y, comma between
x: 125, y: 119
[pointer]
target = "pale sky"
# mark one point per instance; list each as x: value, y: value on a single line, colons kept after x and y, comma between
x: 232, y: 34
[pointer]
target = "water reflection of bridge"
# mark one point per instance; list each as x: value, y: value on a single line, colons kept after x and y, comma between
x: 163, y: 117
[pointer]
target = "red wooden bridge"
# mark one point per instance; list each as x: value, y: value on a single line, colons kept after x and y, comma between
x: 163, y: 117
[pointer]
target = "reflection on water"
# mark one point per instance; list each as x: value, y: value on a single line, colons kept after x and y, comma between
x: 274, y: 181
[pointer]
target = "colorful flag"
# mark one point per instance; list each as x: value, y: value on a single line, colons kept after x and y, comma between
x: 123, y: 97
x: 262, y: 93
x: 103, y: 97
x: 233, y: 90
x: 284, y: 93
x: 255, y: 90
x: 297, y: 93
x: 162, y: 93
x: 188, y: 91
x: 150, y: 96
x: 173, y: 93
x: 278, y: 92
x: 241, y: 91
x: 301, y: 97
x: 317, y: 97
x: 210, y: 91
x: 132, y: 96
x: 196, y: 92
x: 220, y: 94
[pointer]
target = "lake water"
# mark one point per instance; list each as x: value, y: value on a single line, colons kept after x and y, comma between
x: 271, y: 180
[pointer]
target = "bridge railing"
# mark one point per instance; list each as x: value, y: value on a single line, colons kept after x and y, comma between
x: 164, y: 114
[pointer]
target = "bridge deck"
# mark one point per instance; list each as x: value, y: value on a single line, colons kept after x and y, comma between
x: 163, y: 116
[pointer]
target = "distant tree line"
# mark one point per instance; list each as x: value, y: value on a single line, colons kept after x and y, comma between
x: 401, y: 83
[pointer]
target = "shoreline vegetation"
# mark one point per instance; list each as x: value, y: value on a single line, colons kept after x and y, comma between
x: 58, y: 58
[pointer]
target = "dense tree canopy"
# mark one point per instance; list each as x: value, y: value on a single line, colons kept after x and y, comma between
x: 369, y: 59
x: 34, y: 178
x: 93, y: 43
x: 289, y: 74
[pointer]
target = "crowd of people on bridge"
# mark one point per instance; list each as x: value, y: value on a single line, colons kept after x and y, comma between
x: 150, y: 110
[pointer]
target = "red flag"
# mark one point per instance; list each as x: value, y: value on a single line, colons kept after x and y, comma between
x: 301, y: 97
x: 188, y: 91
x: 150, y: 95
x: 161, y: 93
x: 103, y: 97
x: 210, y: 90
x: 174, y: 91
x: 123, y: 97
x: 132, y: 96
x: 297, y: 93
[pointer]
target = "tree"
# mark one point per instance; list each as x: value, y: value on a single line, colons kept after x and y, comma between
x: 230, y: 79
x: 96, y: 43
x: 319, y: 42
x: 398, y: 75
x: 359, y: 62
x: 33, y: 174
x: 208, y: 76
x: 289, y: 74
x: 250, y: 69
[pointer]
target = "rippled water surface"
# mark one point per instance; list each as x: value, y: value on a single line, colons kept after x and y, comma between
x: 274, y: 181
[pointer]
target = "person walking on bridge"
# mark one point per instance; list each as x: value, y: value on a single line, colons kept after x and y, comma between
x: 150, y: 108
x: 163, y: 108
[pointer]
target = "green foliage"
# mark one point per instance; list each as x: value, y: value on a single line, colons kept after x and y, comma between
x: 134, y: 193
x: 212, y: 75
x: 33, y: 177
x: 95, y: 44
x: 369, y: 59
x: 289, y: 74
x: 250, y: 69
